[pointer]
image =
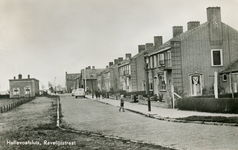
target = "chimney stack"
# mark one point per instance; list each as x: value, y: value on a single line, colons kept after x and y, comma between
x: 93, y: 67
x: 110, y: 64
x: 89, y: 67
x: 141, y: 48
x: 19, y: 76
x: 158, y: 41
x: 177, y: 30
x: 115, y: 61
x: 148, y: 45
x: 193, y: 24
x: 128, y: 56
x: 120, y: 59
x: 28, y: 76
x: 14, y: 77
x: 214, y: 14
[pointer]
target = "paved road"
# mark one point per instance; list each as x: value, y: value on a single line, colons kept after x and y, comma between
x: 90, y: 115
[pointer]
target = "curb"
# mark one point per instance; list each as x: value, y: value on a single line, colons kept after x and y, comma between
x: 155, y: 116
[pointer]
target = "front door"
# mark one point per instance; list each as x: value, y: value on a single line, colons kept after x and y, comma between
x: 195, y: 85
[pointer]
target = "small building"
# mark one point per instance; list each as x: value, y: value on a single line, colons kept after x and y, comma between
x: 28, y: 87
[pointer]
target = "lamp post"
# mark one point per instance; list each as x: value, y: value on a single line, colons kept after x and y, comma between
x: 146, y: 59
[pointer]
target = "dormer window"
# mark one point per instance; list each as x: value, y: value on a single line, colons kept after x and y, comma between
x: 216, y: 57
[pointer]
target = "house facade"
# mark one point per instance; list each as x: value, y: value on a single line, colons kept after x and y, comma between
x: 70, y: 81
x: 107, y: 79
x: 27, y: 87
x: 89, y: 78
x: 188, y: 61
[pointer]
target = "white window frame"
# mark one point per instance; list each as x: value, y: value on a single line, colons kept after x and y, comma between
x: 16, y: 93
x: 27, y: 92
x: 158, y: 59
x: 155, y: 61
x: 161, y: 58
x: 151, y: 62
x: 221, y: 58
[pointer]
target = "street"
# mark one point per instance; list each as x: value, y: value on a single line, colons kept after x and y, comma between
x: 89, y: 115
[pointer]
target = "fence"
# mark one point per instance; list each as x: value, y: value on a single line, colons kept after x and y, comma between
x: 9, y: 107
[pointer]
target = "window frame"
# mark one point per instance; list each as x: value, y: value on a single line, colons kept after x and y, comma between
x: 212, y: 57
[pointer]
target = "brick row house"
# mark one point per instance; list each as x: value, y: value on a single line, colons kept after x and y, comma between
x: 186, y: 62
x: 71, y: 81
x: 90, y: 76
x: 107, y: 79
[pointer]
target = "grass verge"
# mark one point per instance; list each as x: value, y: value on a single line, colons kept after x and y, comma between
x: 219, y: 119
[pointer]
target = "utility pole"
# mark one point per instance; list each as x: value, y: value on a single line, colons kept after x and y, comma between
x: 85, y: 80
x: 231, y: 86
x: 146, y: 59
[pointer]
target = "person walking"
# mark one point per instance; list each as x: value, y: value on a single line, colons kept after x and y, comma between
x: 122, y: 103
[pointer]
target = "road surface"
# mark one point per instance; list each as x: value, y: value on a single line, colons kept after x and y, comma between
x: 90, y: 115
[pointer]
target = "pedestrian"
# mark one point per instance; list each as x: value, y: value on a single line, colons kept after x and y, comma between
x: 122, y: 103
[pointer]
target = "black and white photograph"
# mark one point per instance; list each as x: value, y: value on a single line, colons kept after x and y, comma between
x: 119, y: 74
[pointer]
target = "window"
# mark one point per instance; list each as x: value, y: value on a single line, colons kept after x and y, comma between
x: 224, y: 77
x: 216, y: 57
x: 155, y: 62
x: 16, y: 91
x: 162, y: 82
x: 161, y: 59
x: 151, y: 62
x: 27, y: 90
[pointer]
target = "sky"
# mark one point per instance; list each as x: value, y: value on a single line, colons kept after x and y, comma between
x: 46, y: 38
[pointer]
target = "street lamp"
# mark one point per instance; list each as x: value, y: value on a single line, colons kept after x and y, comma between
x: 146, y: 59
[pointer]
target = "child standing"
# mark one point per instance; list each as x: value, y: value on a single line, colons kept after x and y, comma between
x: 122, y: 103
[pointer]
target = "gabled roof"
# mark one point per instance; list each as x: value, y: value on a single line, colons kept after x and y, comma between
x: 72, y: 76
x: 234, y: 68
x: 179, y: 37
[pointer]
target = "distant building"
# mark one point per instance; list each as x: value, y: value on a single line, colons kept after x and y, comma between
x: 70, y: 81
x: 107, y: 79
x: 90, y: 75
x: 20, y: 87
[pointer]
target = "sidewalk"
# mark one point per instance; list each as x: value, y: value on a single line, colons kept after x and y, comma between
x: 156, y: 112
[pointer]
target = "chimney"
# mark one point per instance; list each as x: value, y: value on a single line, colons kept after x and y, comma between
x: 158, y: 40
x: 214, y: 14
x: 28, y: 76
x: 148, y: 45
x: 93, y: 67
x: 141, y: 48
x: 115, y: 61
x: 89, y: 67
x: 120, y: 59
x: 106, y: 66
x: 193, y: 24
x: 110, y: 64
x: 14, y: 77
x: 128, y: 56
x: 19, y: 76
x: 177, y: 30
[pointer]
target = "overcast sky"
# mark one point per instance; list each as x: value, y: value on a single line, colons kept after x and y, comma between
x: 46, y: 38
